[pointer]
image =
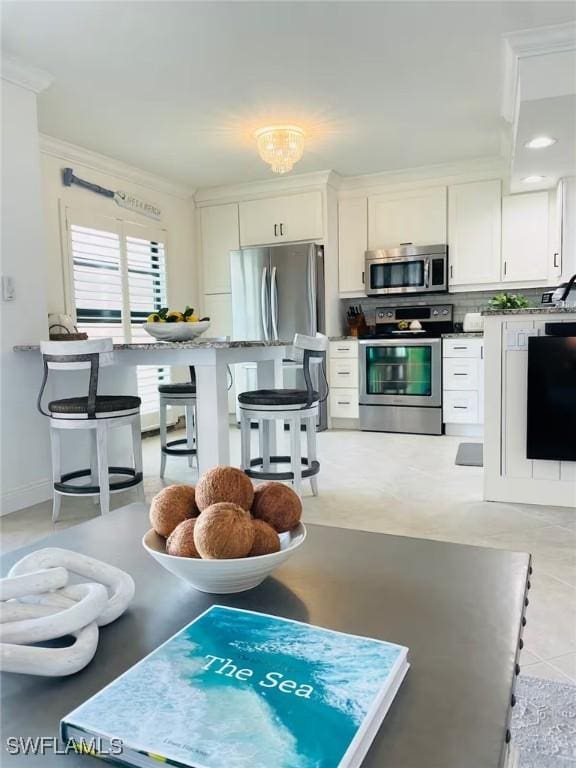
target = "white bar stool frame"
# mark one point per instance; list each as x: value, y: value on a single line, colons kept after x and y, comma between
x: 91, y: 355
x: 304, y: 412
x: 168, y: 448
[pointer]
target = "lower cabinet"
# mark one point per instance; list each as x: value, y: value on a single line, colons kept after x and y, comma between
x: 343, y: 379
x: 463, y: 386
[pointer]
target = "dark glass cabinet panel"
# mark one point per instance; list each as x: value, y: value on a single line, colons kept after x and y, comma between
x: 403, y: 274
x: 551, y: 418
x: 399, y: 370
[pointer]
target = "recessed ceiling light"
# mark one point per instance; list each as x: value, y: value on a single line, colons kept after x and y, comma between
x: 540, y: 142
x: 533, y: 179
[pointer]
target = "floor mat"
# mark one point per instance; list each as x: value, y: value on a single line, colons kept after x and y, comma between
x: 470, y: 455
x: 544, y: 723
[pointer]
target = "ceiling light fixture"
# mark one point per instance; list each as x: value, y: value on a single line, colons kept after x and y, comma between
x: 533, y: 179
x: 540, y: 142
x: 280, y: 146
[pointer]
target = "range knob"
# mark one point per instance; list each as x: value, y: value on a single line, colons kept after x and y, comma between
x: 389, y: 314
x: 444, y: 311
x: 435, y: 312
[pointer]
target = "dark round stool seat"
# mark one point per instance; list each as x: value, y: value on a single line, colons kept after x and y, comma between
x: 180, y: 388
x: 105, y: 405
x: 281, y: 398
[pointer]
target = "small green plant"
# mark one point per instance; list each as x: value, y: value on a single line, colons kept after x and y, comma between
x: 508, y: 301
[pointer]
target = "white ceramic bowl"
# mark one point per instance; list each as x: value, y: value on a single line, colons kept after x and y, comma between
x: 176, y: 331
x: 223, y: 577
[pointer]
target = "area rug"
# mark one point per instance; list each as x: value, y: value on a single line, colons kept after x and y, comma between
x: 544, y: 723
x: 470, y: 455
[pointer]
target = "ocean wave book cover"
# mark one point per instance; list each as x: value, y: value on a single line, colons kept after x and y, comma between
x: 248, y: 690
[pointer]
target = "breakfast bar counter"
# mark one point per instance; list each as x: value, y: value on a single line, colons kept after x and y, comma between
x: 210, y: 358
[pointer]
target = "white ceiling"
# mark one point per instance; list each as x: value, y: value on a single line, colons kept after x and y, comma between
x: 176, y: 88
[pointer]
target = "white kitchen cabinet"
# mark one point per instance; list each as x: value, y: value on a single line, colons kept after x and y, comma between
x: 474, y: 233
x: 463, y: 386
x: 344, y: 403
x: 281, y: 219
x: 220, y: 235
x: 564, y: 264
x: 352, y: 243
x: 525, y: 251
x: 343, y: 379
x: 344, y: 372
x: 415, y: 216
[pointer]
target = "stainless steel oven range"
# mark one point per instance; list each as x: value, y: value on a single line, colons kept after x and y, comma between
x: 408, y: 269
x: 401, y: 370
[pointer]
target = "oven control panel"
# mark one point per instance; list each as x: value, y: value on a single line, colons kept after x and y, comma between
x: 428, y: 313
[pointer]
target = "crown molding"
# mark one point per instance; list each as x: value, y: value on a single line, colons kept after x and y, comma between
x: 445, y: 173
x: 257, y: 189
x: 72, y: 153
x: 529, y: 42
x: 19, y: 73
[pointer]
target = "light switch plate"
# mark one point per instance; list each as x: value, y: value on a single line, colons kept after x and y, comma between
x: 8, y: 289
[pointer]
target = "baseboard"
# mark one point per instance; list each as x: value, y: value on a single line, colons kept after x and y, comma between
x: 25, y: 496
x: 464, y: 430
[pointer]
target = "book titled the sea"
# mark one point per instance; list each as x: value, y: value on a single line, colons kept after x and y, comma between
x: 238, y: 689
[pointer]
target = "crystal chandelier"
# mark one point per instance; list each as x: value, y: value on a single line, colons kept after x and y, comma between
x: 280, y: 146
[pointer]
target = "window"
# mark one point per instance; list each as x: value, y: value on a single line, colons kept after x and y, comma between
x: 118, y: 278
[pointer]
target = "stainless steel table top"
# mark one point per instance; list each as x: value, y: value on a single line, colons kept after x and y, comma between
x: 459, y: 609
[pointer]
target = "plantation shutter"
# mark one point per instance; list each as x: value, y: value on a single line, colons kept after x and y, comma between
x: 146, y: 285
x: 119, y: 278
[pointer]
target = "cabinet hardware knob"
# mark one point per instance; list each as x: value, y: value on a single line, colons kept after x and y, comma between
x: 275, y: 230
x: 513, y: 701
x: 505, y: 267
x: 281, y: 230
x: 556, y: 259
x: 517, y: 670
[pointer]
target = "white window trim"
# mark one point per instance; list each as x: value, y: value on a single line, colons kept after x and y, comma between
x: 124, y: 228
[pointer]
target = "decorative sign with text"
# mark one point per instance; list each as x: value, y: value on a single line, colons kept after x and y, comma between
x: 123, y: 199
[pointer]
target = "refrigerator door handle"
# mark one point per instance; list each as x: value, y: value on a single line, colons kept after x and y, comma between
x: 264, y: 303
x: 311, y: 290
x: 274, y: 303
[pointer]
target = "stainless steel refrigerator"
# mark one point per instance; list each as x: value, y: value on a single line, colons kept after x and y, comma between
x: 276, y: 292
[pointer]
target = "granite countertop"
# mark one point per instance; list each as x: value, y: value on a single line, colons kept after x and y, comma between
x: 532, y: 311
x: 200, y: 344
x: 463, y: 335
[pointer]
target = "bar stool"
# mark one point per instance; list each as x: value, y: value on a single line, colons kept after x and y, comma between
x: 297, y: 406
x: 181, y: 394
x: 94, y: 412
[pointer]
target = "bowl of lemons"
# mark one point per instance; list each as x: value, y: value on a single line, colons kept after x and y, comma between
x: 171, y: 325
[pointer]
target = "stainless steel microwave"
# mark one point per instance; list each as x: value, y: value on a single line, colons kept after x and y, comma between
x: 408, y: 269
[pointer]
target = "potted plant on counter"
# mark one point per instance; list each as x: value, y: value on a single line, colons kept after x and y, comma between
x: 508, y: 301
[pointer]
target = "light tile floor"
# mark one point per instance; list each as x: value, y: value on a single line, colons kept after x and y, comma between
x: 406, y: 485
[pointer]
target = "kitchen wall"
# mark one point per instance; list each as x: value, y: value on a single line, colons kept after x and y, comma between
x: 25, y: 463
x: 473, y: 301
x: 175, y: 202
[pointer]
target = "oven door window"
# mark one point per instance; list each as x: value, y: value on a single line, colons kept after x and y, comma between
x: 399, y: 274
x: 399, y: 370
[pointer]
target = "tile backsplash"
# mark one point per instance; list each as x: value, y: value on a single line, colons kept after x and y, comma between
x: 473, y: 301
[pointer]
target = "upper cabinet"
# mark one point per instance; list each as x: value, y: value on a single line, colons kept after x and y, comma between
x: 564, y: 263
x: 352, y: 243
x: 415, y: 216
x: 474, y: 233
x: 281, y: 219
x: 219, y: 231
x: 525, y: 253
